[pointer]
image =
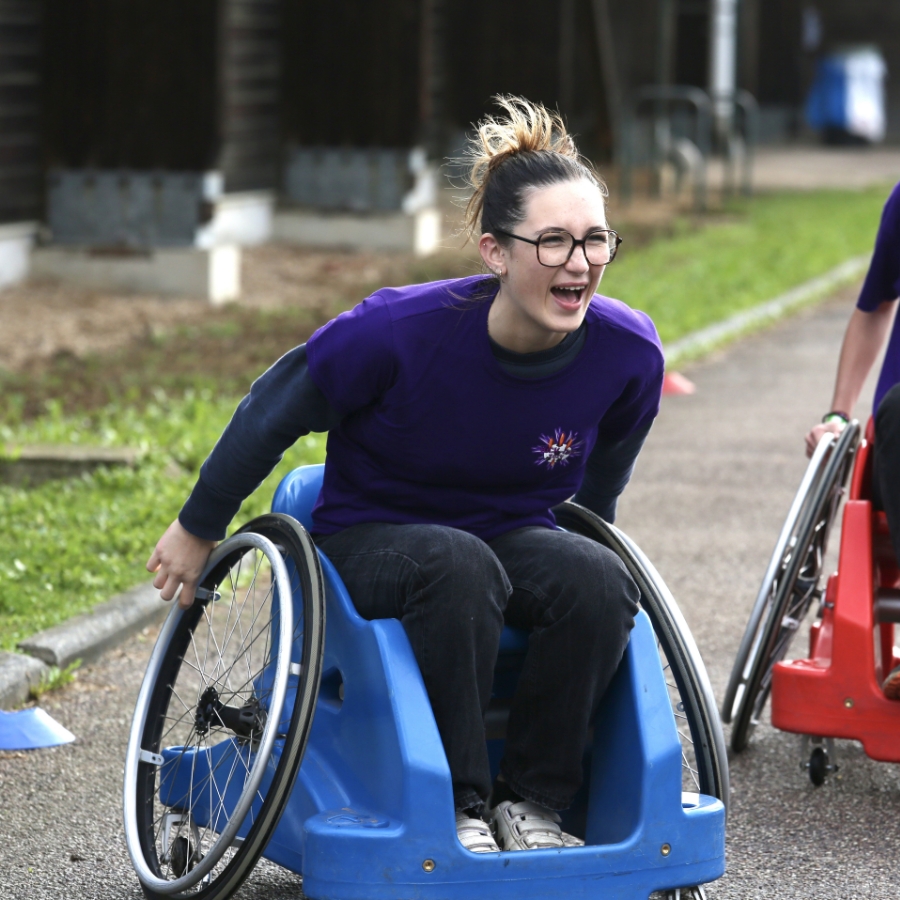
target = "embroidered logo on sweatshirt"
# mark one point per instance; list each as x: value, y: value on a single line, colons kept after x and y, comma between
x: 558, y: 448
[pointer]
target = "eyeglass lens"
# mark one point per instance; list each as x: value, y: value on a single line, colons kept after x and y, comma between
x: 555, y: 247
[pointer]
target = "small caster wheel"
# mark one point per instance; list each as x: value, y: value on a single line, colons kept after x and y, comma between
x: 818, y: 766
x: 819, y: 762
x: 183, y: 856
x: 688, y: 893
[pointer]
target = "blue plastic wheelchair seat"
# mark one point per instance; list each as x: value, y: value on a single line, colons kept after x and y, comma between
x: 371, y: 813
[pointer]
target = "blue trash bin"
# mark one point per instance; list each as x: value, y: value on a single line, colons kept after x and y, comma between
x: 846, y: 100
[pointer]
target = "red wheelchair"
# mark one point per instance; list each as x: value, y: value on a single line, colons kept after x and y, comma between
x: 835, y: 691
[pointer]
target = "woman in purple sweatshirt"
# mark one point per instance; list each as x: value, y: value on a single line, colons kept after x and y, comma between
x: 458, y: 414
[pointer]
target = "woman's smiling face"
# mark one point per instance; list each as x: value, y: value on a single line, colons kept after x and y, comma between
x: 537, y: 306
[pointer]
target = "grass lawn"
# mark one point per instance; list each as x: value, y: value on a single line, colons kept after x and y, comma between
x: 751, y: 253
x: 66, y: 545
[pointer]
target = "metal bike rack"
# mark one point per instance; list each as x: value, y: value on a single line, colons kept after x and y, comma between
x: 690, y: 148
x: 740, y: 143
x: 688, y: 154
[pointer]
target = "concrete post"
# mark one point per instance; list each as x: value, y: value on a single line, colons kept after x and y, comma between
x: 723, y: 64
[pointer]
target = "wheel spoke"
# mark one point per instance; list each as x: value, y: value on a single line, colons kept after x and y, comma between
x: 212, y: 667
x: 791, y: 583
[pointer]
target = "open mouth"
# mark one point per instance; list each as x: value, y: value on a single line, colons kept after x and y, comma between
x: 569, y: 297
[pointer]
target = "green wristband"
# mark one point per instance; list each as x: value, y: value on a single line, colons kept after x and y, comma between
x: 836, y: 416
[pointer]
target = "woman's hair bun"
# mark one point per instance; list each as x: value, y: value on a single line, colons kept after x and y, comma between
x: 527, y: 128
x: 531, y: 134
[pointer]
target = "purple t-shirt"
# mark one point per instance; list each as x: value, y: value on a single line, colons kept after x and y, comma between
x: 435, y: 431
x: 883, y: 283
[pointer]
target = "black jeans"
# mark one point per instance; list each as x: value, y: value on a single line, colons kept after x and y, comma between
x: 453, y: 592
x: 886, y: 469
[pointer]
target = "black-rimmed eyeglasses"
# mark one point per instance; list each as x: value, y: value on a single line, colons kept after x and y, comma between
x: 555, y: 248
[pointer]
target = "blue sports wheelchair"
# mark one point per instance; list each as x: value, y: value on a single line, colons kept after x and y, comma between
x: 257, y: 732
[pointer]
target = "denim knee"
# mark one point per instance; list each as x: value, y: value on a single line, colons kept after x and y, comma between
x: 466, y: 573
x: 619, y: 594
x: 593, y: 584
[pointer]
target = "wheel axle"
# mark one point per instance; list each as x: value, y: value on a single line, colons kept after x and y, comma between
x: 244, y: 721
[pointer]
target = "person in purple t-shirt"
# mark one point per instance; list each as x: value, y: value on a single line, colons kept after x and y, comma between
x: 870, y: 323
x: 458, y: 415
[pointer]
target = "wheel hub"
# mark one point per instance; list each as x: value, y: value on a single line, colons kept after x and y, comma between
x: 244, y: 721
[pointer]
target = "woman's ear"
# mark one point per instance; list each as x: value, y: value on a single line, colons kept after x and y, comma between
x: 493, y: 254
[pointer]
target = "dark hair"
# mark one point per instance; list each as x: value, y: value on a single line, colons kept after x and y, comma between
x: 507, y: 156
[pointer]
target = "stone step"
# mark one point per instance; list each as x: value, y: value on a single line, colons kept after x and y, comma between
x: 36, y: 463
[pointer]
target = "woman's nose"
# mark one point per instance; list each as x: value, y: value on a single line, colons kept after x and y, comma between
x: 578, y: 261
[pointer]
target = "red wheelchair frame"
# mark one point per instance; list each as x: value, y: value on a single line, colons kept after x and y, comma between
x: 836, y: 691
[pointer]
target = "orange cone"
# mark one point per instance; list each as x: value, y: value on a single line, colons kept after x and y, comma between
x: 676, y: 383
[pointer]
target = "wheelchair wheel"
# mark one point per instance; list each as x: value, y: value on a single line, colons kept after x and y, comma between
x: 787, y: 539
x: 687, y: 893
x: 704, y: 760
x: 791, y: 583
x: 224, y: 713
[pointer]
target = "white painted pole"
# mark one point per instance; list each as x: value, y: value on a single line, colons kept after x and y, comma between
x: 723, y: 62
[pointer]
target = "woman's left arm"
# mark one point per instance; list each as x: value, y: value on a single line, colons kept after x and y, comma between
x: 625, y: 425
x: 607, y: 471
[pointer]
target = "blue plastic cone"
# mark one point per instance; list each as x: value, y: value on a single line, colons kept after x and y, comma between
x: 30, y: 729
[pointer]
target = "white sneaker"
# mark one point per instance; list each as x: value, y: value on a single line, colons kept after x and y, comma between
x: 474, y: 834
x: 529, y: 826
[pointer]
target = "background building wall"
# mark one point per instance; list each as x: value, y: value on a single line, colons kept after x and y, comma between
x: 163, y: 84
x: 20, y: 168
x: 351, y: 73
x: 400, y: 69
x: 131, y: 85
x: 249, y: 84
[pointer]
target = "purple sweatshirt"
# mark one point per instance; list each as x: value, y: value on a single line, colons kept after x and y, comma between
x: 434, y: 430
x: 883, y: 283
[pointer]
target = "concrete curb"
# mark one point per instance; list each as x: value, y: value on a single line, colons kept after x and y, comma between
x: 18, y: 674
x: 84, y: 637
x: 87, y: 636
x: 699, y: 342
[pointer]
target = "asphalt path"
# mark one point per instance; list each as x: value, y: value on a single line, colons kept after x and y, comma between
x: 706, y: 504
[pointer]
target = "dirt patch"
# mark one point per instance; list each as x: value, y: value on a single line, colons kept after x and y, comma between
x: 85, y: 348
x: 43, y: 319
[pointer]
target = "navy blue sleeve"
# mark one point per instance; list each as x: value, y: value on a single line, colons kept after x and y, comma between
x: 607, y: 472
x: 883, y: 278
x: 283, y: 404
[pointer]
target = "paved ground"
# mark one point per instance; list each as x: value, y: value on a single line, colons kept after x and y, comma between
x: 706, y: 504
x: 808, y: 167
